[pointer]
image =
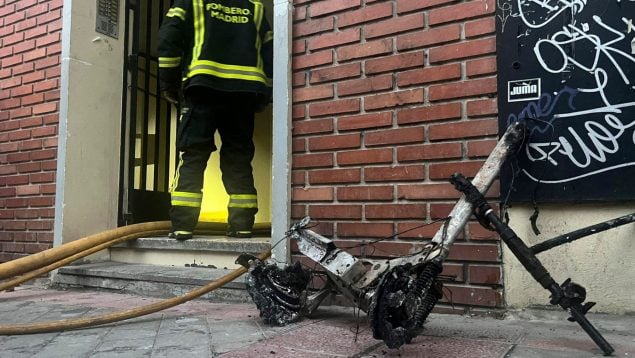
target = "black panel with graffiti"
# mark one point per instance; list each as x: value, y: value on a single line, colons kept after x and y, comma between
x: 567, y: 68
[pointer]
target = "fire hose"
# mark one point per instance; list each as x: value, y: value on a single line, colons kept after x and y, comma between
x: 35, y: 265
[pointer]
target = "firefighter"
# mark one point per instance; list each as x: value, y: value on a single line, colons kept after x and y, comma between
x: 215, y: 60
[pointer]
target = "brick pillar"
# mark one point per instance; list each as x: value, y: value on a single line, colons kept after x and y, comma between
x: 30, y: 48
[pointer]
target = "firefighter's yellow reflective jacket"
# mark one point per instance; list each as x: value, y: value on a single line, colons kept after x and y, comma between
x: 223, y: 44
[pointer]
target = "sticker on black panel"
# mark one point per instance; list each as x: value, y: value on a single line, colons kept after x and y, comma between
x: 523, y: 90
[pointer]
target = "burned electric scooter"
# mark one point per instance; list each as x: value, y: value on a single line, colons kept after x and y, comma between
x: 397, y: 294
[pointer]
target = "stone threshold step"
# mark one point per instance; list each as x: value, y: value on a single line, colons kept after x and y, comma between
x: 150, y: 280
x: 200, y: 243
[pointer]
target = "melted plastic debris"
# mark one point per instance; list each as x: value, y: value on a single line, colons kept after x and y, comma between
x: 280, y: 295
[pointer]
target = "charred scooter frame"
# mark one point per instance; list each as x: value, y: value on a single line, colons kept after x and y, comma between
x: 570, y: 296
x: 398, y: 294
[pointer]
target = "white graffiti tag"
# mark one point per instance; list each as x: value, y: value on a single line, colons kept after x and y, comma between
x: 573, y: 35
x: 544, y: 11
x: 581, y: 147
x: 505, y: 11
x: 595, y: 142
x: 601, y: 80
x: 597, y: 137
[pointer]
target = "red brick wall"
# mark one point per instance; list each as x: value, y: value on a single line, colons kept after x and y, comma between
x: 30, y: 48
x: 389, y: 99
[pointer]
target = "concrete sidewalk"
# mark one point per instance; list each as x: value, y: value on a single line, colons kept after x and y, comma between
x: 204, y: 329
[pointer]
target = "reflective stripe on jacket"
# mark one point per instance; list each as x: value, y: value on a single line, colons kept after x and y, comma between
x: 223, y: 44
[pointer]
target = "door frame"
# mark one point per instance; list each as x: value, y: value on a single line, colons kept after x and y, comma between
x: 281, y: 161
x: 282, y: 139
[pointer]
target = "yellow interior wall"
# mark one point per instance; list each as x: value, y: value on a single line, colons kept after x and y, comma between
x: 214, y: 207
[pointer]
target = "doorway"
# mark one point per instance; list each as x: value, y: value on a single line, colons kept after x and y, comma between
x: 149, y: 158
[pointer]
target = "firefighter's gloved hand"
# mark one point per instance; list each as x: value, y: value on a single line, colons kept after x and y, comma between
x: 170, y: 84
x: 171, y: 95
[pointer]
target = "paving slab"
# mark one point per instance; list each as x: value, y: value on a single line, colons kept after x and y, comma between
x: 442, y: 347
x: 202, y: 328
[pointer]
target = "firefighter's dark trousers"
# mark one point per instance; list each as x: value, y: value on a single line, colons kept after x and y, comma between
x: 204, y: 112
